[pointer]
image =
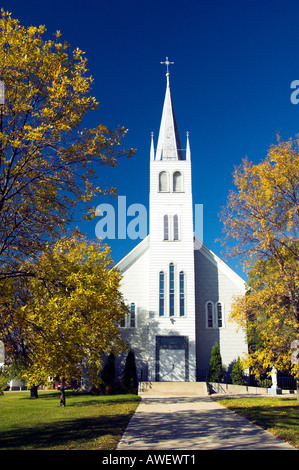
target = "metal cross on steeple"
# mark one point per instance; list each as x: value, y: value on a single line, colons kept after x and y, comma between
x: 167, y: 63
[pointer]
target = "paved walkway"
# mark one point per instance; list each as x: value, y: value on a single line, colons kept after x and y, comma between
x: 168, y: 422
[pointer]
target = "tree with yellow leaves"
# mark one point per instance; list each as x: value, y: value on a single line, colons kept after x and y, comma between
x: 262, y: 216
x: 47, y: 160
x: 65, y: 316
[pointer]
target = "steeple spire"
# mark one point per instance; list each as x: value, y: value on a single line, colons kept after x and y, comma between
x: 167, y: 63
x: 188, y: 152
x: 152, y: 147
x: 169, y: 146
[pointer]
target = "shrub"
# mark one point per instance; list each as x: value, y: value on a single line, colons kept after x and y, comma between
x: 215, y: 372
x: 4, y: 379
x: 237, y: 373
x: 130, y: 373
x: 108, y: 372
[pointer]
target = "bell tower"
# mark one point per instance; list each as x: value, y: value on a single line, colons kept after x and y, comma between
x: 172, y: 289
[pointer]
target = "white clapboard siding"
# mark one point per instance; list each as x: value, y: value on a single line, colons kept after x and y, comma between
x: 207, y: 278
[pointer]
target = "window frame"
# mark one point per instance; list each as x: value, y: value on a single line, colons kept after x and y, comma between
x: 131, y: 317
x: 209, y: 314
x: 160, y: 182
x: 166, y: 234
x: 176, y: 228
x: 161, y: 294
x: 182, y: 296
x: 213, y: 321
x: 175, y: 183
x: 171, y: 228
x: 171, y: 289
x: 217, y: 304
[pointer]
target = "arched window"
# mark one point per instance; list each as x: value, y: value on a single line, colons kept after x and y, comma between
x: 130, y: 319
x: 182, y: 294
x: 163, y: 182
x: 219, y: 314
x: 210, y: 314
x: 161, y: 294
x: 175, y: 227
x: 171, y: 290
x: 166, y: 227
x: 177, y: 182
x: 132, y: 315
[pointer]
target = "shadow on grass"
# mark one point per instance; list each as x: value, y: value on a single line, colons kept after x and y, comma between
x: 41, y: 396
x: 74, y: 398
x: 100, y: 401
x: 270, y: 417
x: 63, y: 433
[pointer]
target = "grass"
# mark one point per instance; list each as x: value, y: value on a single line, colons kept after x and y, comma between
x: 91, y: 422
x: 278, y: 415
x: 88, y: 422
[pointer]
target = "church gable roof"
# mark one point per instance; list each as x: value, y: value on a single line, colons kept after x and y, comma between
x: 127, y: 261
x: 221, y: 265
x: 133, y: 255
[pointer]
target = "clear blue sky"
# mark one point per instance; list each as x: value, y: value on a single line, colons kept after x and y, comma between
x: 234, y: 63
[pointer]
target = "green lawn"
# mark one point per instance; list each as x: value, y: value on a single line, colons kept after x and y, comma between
x: 278, y: 415
x: 91, y: 422
x: 88, y: 422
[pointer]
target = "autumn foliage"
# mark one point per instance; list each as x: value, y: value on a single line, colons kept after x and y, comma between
x: 60, y: 304
x: 48, y: 161
x: 64, y: 316
x: 262, y: 217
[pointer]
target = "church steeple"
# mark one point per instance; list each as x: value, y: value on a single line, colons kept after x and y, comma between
x: 171, y: 253
x: 169, y: 145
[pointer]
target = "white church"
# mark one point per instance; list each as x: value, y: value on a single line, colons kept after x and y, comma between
x: 178, y: 291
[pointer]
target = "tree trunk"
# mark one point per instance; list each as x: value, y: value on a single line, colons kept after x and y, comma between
x: 33, y: 392
x: 62, y: 392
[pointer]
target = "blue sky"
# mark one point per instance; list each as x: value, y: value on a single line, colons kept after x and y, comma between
x: 234, y: 62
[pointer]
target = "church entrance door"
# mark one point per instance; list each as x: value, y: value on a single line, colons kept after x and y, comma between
x: 172, y: 365
x: 172, y: 359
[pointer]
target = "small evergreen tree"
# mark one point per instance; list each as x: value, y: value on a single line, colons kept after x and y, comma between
x: 237, y: 373
x: 108, y: 372
x: 215, y: 372
x: 130, y: 373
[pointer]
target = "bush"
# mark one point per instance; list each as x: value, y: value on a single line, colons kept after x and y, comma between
x: 237, y: 373
x: 108, y: 371
x: 215, y: 372
x: 264, y: 383
x: 130, y: 373
x: 4, y: 379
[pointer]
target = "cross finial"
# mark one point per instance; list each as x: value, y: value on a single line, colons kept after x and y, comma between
x: 167, y: 63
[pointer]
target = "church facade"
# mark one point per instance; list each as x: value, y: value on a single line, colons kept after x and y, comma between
x: 179, y: 292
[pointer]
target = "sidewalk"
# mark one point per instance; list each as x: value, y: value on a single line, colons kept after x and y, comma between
x: 171, y: 422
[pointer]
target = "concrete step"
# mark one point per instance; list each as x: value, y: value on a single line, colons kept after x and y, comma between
x: 174, y: 388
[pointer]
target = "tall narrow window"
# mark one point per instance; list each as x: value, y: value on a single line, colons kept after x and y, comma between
x: 161, y: 294
x: 132, y: 315
x: 219, y: 314
x: 171, y: 290
x: 177, y: 182
x: 163, y: 182
x: 175, y: 227
x: 182, y: 294
x: 166, y: 227
x: 209, y: 313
